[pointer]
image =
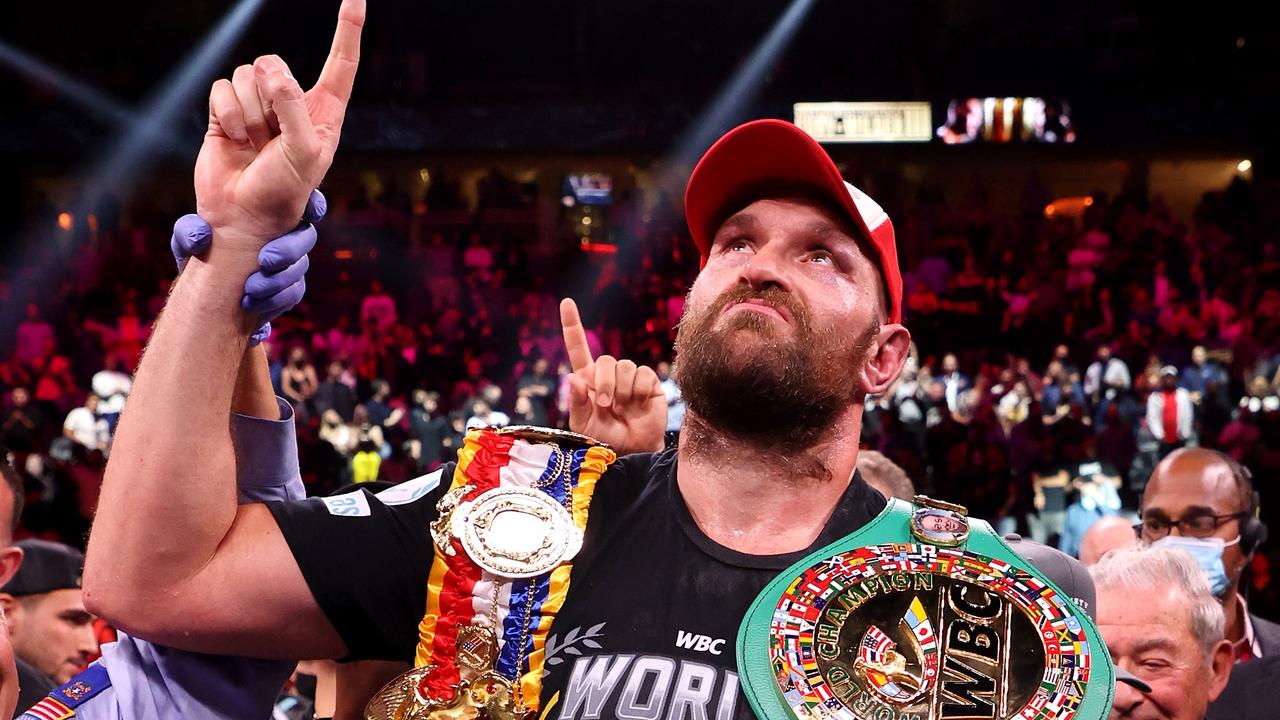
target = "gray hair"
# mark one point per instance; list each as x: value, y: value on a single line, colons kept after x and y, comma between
x: 1139, y: 567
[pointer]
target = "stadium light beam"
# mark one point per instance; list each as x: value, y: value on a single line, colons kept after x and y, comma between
x: 736, y: 94
x: 144, y: 135
x: 121, y: 165
x: 724, y: 110
x: 80, y: 93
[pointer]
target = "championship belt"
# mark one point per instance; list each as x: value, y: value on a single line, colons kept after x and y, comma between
x: 508, y: 527
x: 923, y: 614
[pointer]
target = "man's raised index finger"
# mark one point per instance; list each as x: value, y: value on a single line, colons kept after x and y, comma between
x: 339, y: 73
x: 575, y: 337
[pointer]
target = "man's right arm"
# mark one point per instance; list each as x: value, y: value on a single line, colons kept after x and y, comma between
x: 173, y: 558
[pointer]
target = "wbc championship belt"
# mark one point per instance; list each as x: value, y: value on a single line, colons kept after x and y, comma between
x: 506, y: 533
x: 923, y: 614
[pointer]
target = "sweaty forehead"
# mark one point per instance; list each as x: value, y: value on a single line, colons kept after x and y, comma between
x: 1192, y: 481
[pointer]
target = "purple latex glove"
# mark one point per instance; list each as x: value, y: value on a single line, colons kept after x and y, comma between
x: 280, y: 281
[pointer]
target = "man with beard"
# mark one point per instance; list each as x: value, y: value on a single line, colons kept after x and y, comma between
x: 793, y: 320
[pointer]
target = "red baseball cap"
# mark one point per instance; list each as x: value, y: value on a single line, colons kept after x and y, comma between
x: 765, y: 150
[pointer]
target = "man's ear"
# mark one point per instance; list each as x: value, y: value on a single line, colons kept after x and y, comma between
x: 883, y: 364
x: 12, y: 611
x: 10, y: 561
x: 1220, y: 662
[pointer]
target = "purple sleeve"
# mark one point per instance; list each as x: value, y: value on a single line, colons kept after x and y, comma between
x: 267, y: 457
x: 153, y: 682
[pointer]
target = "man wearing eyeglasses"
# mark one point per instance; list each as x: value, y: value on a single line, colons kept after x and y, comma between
x: 1203, y: 502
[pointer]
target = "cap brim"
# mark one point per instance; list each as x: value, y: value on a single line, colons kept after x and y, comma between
x: 1131, y: 680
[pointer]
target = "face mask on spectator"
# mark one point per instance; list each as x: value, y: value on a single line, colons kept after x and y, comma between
x: 1207, y: 552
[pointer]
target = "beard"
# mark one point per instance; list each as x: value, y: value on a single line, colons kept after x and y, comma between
x: 743, y: 377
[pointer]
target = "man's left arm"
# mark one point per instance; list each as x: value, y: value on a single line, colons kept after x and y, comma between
x: 224, y: 687
x: 172, y: 555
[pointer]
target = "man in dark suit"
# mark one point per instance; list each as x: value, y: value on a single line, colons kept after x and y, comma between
x: 1202, y: 501
x: 1252, y: 693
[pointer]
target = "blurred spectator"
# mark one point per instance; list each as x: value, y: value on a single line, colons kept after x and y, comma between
x: 112, y: 387
x: 378, y: 307
x: 85, y: 428
x: 1062, y: 391
x: 367, y: 460
x: 123, y: 341
x: 34, y: 335
x: 1095, y: 485
x: 454, y: 436
x: 483, y: 415
x: 52, y: 633
x: 379, y: 411
x: 1015, y: 406
x: 477, y: 259
x: 369, y: 435
x: 954, y: 382
x: 381, y: 415
x: 1203, y: 376
x: 334, y: 394
x: 540, y: 388
x: 55, y: 385
x: 522, y: 413
x: 675, y: 400
x: 298, y: 382
x: 441, y: 262
x: 21, y: 426
x: 428, y: 429
x: 1050, y: 517
x: 335, y: 431
x: 1260, y: 397
x: 1106, y: 376
x: 1169, y: 412
x: 1116, y: 441
x: 338, y: 342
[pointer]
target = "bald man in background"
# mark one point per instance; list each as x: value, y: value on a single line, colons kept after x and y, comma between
x: 885, y: 476
x: 1203, y: 501
x: 1104, y: 536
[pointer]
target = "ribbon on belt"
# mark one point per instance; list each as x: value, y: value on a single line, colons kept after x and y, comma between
x: 506, y: 532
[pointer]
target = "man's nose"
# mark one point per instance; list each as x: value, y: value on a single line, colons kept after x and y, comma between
x: 87, y: 642
x: 767, y: 268
x: 1128, y: 699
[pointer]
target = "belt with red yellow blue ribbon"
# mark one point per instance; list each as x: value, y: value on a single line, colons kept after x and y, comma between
x: 505, y: 535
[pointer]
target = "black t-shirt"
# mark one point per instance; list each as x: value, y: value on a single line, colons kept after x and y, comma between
x: 654, y: 605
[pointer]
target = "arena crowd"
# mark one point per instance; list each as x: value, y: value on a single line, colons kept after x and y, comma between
x: 1056, y: 360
